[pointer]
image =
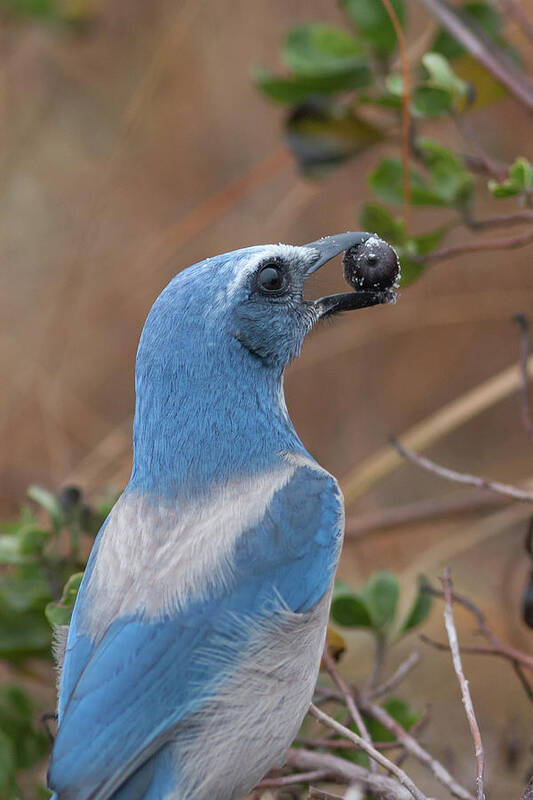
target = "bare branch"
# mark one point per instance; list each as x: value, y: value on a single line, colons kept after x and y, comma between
x: 528, y: 689
x: 498, y: 647
x: 415, y: 749
x: 528, y: 794
x: 459, y: 502
x: 342, y: 744
x: 348, y: 697
x: 493, y: 59
x: 463, y: 683
x: 380, y: 786
x: 523, y: 322
x: 477, y: 246
x: 318, y: 794
x: 462, y: 477
x: 503, y: 220
x: 397, y: 677
x: 300, y: 777
x: 404, y: 779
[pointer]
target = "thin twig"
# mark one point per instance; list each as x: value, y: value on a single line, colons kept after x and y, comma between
x: 477, y: 246
x: 415, y: 748
x: 404, y: 779
x: 528, y: 689
x: 503, y: 220
x: 462, y: 477
x: 397, y: 677
x: 524, y: 324
x: 342, y: 744
x: 528, y: 794
x: 443, y: 421
x: 379, y: 662
x: 300, y: 777
x: 499, y: 648
x: 350, y: 702
x: 463, y: 683
x: 470, y: 36
x: 420, y: 511
x: 489, y: 166
x: 379, y: 786
x: 318, y: 794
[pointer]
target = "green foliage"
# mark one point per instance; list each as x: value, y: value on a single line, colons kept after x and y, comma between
x: 73, y: 13
x: 345, y: 95
x: 59, y: 613
x: 37, y: 559
x: 519, y: 182
x: 374, y: 24
x: 21, y: 744
x: 375, y: 606
x: 38, y: 554
x: 322, y: 134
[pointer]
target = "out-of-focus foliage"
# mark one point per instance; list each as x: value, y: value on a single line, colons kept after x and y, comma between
x: 39, y: 558
x: 21, y: 744
x: 344, y: 90
x: 375, y: 606
x: 74, y: 13
x: 39, y: 553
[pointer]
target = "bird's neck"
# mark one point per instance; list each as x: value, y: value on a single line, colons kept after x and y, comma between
x: 196, y: 424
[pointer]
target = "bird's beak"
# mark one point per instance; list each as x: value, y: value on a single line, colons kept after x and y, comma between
x: 326, y: 249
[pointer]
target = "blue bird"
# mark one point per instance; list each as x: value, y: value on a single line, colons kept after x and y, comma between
x: 196, y: 637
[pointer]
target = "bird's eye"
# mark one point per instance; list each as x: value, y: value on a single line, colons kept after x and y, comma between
x: 270, y: 278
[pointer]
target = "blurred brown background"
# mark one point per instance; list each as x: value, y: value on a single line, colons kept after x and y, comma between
x: 142, y: 146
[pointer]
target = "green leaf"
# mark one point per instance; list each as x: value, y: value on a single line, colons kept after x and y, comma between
x: 49, y: 502
x: 520, y: 180
x: 374, y: 23
x: 321, y: 135
x: 348, y: 608
x: 427, y: 242
x: 380, y: 595
x: 419, y: 610
x: 431, y: 101
x: 60, y: 613
x: 315, y: 48
x: 387, y: 182
x: 411, y: 270
x: 504, y: 189
x: 450, y: 181
x: 376, y: 219
x: 521, y: 172
x: 442, y: 76
x: 297, y: 88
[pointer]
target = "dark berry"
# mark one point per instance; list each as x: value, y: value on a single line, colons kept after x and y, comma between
x: 371, y: 265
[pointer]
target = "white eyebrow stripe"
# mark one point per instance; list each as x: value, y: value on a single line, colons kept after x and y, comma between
x: 154, y: 559
x: 250, y: 263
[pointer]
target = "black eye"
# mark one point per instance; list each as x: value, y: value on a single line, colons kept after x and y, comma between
x: 270, y: 278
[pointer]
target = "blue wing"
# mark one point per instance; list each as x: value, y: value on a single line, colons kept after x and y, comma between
x: 144, y: 677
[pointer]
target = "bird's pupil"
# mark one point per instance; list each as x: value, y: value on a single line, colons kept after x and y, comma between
x: 270, y: 279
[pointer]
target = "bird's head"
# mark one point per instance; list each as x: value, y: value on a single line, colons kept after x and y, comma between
x: 212, y: 354
x: 254, y: 299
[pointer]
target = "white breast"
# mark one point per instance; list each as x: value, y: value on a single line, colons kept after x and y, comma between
x: 247, y: 730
